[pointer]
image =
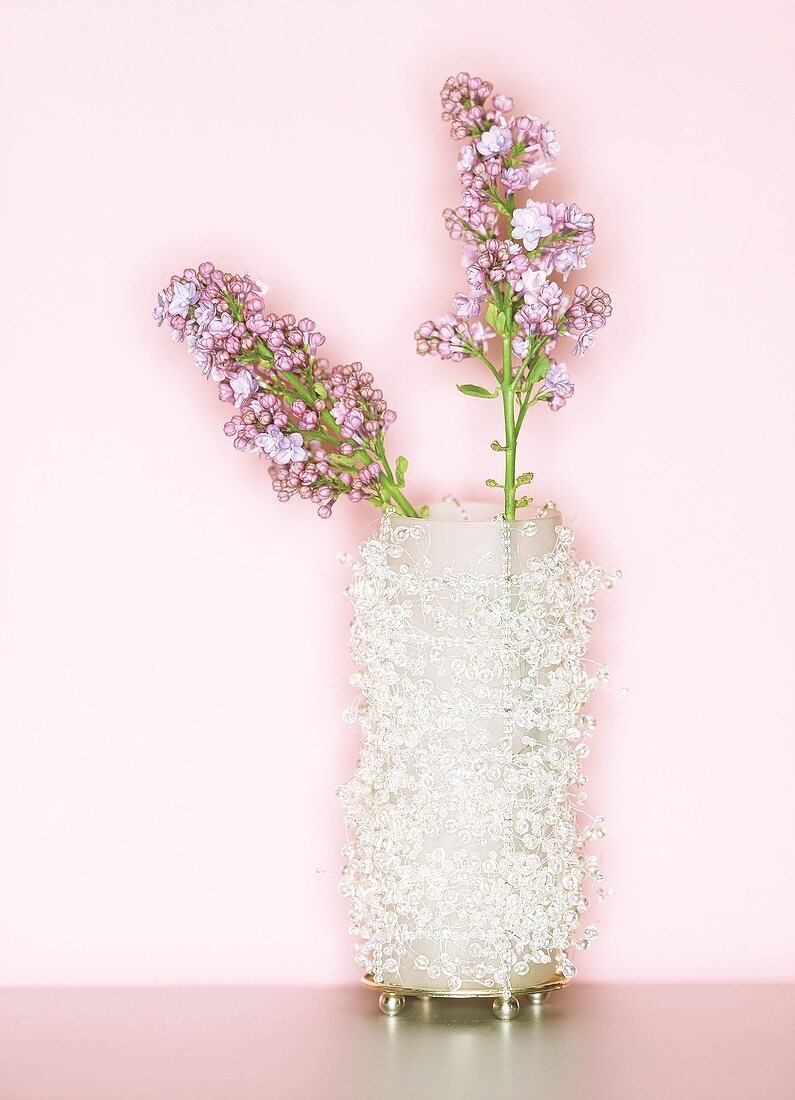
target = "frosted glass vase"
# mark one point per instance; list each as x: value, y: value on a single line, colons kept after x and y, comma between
x: 465, y: 862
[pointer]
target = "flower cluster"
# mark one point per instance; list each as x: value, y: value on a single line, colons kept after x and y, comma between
x: 495, y: 262
x: 321, y: 427
x: 508, y: 152
x: 514, y: 248
x: 587, y: 313
x: 452, y: 338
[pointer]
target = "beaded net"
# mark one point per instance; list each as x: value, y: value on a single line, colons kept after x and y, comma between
x: 465, y: 864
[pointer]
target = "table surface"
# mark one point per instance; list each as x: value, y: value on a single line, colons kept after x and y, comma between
x: 638, y: 1042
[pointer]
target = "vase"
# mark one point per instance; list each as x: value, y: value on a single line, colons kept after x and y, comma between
x: 465, y: 864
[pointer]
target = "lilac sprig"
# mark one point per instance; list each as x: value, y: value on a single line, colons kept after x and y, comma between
x: 512, y: 252
x: 320, y: 427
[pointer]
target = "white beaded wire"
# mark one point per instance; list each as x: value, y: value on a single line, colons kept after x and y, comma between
x: 465, y: 856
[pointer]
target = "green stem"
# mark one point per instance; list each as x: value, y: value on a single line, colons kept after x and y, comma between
x: 480, y: 354
x: 388, y: 483
x: 507, y: 387
x: 332, y: 436
x: 528, y: 401
x: 404, y: 507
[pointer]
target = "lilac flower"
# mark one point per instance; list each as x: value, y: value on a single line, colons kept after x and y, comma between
x: 514, y: 179
x: 536, y: 170
x: 349, y: 419
x: 584, y: 341
x: 161, y: 310
x: 243, y: 385
x: 467, y: 306
x: 550, y: 298
x: 557, y: 385
x: 258, y: 325
x: 520, y: 345
x: 540, y: 314
x: 260, y: 284
x: 221, y: 325
x: 502, y: 155
x: 569, y: 257
x: 244, y: 430
x: 558, y: 212
x: 281, y: 448
x: 495, y: 262
x: 548, y: 142
x: 530, y: 224
x: 575, y: 219
x: 446, y: 338
x: 463, y: 97
x: 467, y: 158
x: 184, y: 296
x: 480, y: 334
x: 201, y: 356
x: 533, y: 281
x: 360, y: 405
x: 588, y: 312
x: 495, y: 142
x: 203, y: 314
x: 227, y: 332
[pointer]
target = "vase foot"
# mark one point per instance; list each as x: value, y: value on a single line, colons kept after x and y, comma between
x: 391, y: 1004
x: 538, y: 998
x: 505, y: 1008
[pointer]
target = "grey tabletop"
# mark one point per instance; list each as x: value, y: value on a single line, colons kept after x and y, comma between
x: 219, y: 1043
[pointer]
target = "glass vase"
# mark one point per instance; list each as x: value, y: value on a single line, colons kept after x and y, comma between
x: 465, y: 863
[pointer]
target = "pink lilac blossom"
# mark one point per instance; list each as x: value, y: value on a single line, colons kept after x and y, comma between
x: 320, y: 427
x: 495, y: 262
x: 532, y: 283
x: 540, y: 315
x: 512, y: 249
x: 589, y: 310
x: 466, y: 305
x: 495, y: 142
x: 185, y: 294
x: 450, y: 338
x: 279, y: 446
x: 518, y: 151
x: 514, y: 179
x: 463, y: 97
x: 243, y: 386
x: 530, y: 224
x: 557, y: 386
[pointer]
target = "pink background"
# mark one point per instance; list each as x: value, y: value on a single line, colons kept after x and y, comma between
x: 174, y: 643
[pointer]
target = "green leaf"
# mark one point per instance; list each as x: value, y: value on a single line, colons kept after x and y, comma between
x: 476, y: 391
x: 424, y: 510
x: 539, y: 369
x: 321, y: 390
x: 497, y: 446
x: 492, y: 484
x: 523, y: 502
x: 496, y: 318
x: 525, y: 479
x: 400, y: 471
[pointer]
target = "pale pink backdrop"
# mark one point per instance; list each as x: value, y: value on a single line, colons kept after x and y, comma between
x: 174, y: 640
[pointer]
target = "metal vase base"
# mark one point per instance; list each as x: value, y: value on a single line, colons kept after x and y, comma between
x: 393, y: 997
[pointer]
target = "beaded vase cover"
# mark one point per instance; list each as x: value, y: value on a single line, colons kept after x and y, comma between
x: 465, y: 864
